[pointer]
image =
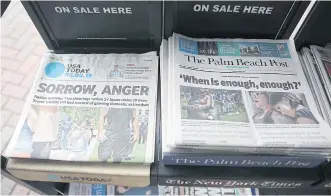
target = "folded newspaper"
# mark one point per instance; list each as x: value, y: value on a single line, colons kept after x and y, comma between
x: 208, y: 191
x: 100, y: 189
x: 238, y: 95
x: 323, y: 58
x: 90, y: 107
x: 315, y: 81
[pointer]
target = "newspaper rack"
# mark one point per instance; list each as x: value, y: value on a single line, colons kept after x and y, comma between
x: 148, y: 17
x: 140, y: 32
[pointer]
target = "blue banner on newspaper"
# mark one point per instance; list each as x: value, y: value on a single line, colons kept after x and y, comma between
x: 254, y: 49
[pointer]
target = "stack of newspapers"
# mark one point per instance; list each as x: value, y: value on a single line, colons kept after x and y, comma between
x: 90, y: 107
x: 101, y: 189
x: 316, y: 63
x: 238, y: 102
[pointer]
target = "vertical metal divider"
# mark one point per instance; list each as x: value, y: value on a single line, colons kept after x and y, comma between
x: 155, y: 165
x: 314, y: 28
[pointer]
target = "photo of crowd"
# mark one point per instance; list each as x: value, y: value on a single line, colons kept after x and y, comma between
x: 81, y: 133
x: 212, y: 104
x: 279, y: 108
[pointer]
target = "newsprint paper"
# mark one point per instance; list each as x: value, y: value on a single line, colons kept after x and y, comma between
x: 323, y: 58
x: 101, y: 189
x: 244, y: 93
x: 90, y: 107
x: 208, y: 191
x: 319, y: 87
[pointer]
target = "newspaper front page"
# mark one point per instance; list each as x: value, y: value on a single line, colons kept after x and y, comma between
x: 236, y: 92
x: 90, y: 107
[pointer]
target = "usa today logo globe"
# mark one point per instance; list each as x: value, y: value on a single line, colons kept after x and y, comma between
x: 54, y: 69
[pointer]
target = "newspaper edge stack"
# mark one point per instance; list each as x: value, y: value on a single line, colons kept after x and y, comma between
x: 185, y: 156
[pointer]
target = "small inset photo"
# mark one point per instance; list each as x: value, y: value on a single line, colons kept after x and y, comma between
x: 280, y: 47
x: 249, y: 49
x: 212, y: 104
x: 116, y: 72
x: 279, y: 108
x: 207, y: 48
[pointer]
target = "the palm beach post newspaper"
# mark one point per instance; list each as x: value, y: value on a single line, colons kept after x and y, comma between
x: 90, y: 107
x: 243, y: 93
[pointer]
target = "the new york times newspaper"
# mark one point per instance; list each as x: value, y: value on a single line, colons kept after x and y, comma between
x: 243, y: 93
x: 208, y: 191
x: 90, y: 107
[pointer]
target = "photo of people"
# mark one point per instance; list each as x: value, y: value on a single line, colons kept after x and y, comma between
x: 77, y: 131
x: 143, y: 126
x: 77, y: 127
x: 212, y: 104
x: 122, y: 135
x: 83, y: 133
x: 279, y: 108
x: 116, y: 72
x: 33, y: 141
x: 249, y: 49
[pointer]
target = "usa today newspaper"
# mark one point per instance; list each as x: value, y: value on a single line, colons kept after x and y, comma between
x: 242, y: 93
x: 90, y: 107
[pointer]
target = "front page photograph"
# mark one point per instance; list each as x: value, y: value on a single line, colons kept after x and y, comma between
x: 279, y: 108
